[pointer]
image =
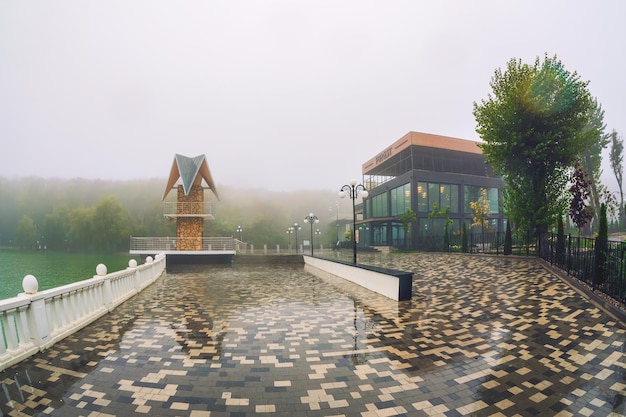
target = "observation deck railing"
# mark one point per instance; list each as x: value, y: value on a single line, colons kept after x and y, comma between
x: 34, y: 321
x: 185, y: 244
x: 172, y: 209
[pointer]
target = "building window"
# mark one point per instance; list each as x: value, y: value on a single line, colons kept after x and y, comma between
x: 472, y: 194
x: 422, y: 197
x: 443, y: 195
x: 400, y: 199
x: 379, y: 205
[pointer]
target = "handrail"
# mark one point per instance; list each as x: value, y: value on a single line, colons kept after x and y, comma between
x: 34, y: 321
x: 188, y: 209
x: 160, y: 244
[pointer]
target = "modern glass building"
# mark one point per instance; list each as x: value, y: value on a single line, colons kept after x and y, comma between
x: 437, y: 177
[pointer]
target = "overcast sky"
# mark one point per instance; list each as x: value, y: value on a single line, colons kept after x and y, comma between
x: 281, y: 95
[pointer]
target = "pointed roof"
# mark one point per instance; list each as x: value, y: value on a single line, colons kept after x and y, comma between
x: 191, y: 171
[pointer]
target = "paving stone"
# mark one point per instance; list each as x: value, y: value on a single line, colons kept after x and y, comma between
x: 481, y: 336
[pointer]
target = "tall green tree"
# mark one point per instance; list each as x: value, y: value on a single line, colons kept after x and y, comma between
x: 531, y: 126
x: 407, y: 219
x: 26, y: 232
x: 616, y: 157
x: 110, y: 226
x: 508, y: 240
x: 55, y: 228
x: 81, y: 229
x: 591, y: 158
x: 601, y: 249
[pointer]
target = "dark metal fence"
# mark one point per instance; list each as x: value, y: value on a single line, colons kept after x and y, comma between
x: 574, y: 255
x: 577, y: 256
x: 487, y: 242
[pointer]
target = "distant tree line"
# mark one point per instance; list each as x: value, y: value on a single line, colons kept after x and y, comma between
x: 100, y: 216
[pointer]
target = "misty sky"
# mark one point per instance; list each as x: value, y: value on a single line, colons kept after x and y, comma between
x: 281, y: 95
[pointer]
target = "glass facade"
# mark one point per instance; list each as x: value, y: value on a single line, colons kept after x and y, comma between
x: 400, y: 199
x: 444, y: 195
x: 379, y: 206
x: 473, y: 194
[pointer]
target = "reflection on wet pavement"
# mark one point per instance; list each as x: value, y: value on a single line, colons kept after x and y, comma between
x: 481, y: 336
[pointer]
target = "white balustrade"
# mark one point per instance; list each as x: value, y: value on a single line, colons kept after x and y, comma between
x: 33, y: 321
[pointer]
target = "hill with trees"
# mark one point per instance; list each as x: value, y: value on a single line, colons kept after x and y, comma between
x: 100, y: 216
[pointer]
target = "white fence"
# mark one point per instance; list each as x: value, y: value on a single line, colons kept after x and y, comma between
x: 34, y: 321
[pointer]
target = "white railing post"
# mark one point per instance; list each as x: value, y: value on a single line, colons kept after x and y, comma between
x: 8, y: 323
x: 101, y: 271
x: 38, y: 321
x: 132, y: 264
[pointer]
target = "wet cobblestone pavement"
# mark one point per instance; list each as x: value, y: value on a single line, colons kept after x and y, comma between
x: 481, y: 336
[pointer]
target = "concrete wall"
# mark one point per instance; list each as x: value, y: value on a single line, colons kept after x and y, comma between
x: 394, y: 284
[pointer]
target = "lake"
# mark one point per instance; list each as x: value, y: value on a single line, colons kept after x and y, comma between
x: 52, y: 269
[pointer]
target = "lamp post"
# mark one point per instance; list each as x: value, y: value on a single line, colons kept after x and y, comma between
x: 240, y: 231
x: 352, y: 190
x: 295, y: 228
x: 311, y: 218
x: 318, y: 233
x: 330, y: 209
x: 289, y: 232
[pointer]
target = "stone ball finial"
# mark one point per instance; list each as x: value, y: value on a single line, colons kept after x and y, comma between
x: 101, y: 270
x: 30, y: 284
x: 132, y: 263
x: 149, y: 260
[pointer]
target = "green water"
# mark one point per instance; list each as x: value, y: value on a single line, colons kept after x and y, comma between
x: 52, y: 269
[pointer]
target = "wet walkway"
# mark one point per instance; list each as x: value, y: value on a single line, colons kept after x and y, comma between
x: 481, y: 336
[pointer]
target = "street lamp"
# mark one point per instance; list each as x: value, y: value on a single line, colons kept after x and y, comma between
x: 311, y: 218
x: 240, y: 231
x: 352, y: 190
x: 330, y: 209
x: 318, y: 233
x: 289, y: 232
x: 295, y: 228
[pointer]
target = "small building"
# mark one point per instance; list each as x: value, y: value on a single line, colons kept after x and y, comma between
x: 190, y: 209
x: 195, y: 189
x: 426, y: 173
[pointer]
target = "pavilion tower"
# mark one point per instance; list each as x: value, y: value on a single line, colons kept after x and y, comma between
x: 190, y: 209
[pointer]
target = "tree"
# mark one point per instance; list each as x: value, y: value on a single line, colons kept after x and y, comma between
x: 591, y: 158
x: 508, y: 240
x: 110, y: 225
x: 560, y: 243
x: 407, y: 219
x: 601, y: 249
x: 480, y: 210
x: 464, y: 243
x: 616, y: 157
x: 26, y: 232
x: 579, y: 209
x: 81, y: 229
x: 55, y: 228
x: 438, y: 213
x: 531, y: 127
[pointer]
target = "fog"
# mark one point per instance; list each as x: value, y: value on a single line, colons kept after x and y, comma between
x: 279, y: 95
